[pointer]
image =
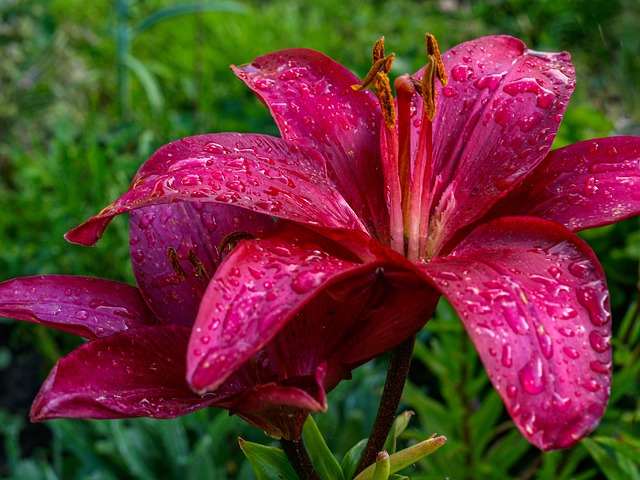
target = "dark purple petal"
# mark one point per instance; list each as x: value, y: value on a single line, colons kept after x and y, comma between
x: 495, y: 121
x: 194, y: 231
x: 584, y: 185
x: 263, y: 174
x: 302, y: 281
x: 533, y: 298
x: 313, y: 104
x: 89, y: 307
x: 279, y: 409
x: 135, y: 373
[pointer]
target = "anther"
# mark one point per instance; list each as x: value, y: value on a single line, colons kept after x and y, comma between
x: 233, y: 239
x: 434, y: 70
x: 378, y: 78
x: 175, y: 263
x: 200, y: 271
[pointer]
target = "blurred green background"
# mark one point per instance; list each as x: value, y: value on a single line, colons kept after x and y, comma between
x: 88, y: 90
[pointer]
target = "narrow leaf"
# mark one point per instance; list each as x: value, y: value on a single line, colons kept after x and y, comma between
x: 321, y: 457
x: 268, y: 463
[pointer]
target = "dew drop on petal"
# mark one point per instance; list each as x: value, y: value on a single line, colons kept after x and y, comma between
x: 512, y: 391
x: 449, y: 91
x: 531, y: 378
x: 572, y: 353
x: 462, y: 73
x: 591, y: 385
x: 594, y: 300
x: 507, y: 356
x: 600, y: 343
x: 600, y: 367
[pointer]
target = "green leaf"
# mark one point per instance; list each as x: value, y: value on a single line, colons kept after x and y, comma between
x: 268, y: 463
x: 352, y: 458
x: 406, y: 457
x: 400, y: 424
x: 148, y: 81
x: 617, y: 466
x: 321, y: 457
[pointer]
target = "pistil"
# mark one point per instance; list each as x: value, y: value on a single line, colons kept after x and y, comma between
x: 418, y: 213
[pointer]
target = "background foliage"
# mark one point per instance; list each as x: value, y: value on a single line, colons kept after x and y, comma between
x: 88, y: 90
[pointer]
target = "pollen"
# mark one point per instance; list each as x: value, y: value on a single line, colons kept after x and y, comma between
x: 435, y: 70
x: 378, y: 78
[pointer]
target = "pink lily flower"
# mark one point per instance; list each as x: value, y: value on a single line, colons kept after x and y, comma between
x: 385, y: 205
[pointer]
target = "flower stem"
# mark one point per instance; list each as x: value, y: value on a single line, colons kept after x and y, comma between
x: 299, y: 459
x: 396, y: 377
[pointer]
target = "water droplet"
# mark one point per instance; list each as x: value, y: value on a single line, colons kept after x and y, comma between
x: 507, y: 356
x: 146, y: 220
x: 566, y: 332
x: 191, y: 180
x: 236, y: 185
x: 82, y: 315
x: 590, y: 187
x: 512, y: 391
x: 449, y: 91
x: 68, y: 292
x: 593, y: 148
x: 531, y: 378
x: 612, y: 151
x: 591, y: 385
x: 595, y: 300
x: 545, y: 98
x: 255, y: 273
x: 462, y: 73
x: 599, y: 342
x: 600, y: 367
x: 555, y: 272
x: 205, y: 340
x: 215, y: 148
x: 138, y: 255
x: 571, y: 353
x: 490, y: 82
x: 546, y: 344
x: 209, y: 221
x: 293, y: 73
x: 264, y: 83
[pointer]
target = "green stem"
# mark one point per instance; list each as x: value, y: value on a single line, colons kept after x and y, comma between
x: 299, y: 459
x: 394, y: 385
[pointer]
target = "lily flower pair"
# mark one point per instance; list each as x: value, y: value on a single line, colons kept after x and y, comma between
x: 382, y: 206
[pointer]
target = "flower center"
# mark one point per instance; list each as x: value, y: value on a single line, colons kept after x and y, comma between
x: 407, y: 160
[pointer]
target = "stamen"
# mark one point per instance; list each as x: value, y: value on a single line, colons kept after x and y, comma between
x: 200, y: 271
x: 378, y: 77
x: 233, y: 239
x: 434, y: 70
x: 175, y: 263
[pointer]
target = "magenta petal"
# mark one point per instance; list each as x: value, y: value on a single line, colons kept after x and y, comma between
x: 135, y: 373
x: 89, y: 307
x: 254, y: 293
x: 495, y: 121
x: 311, y: 100
x: 263, y: 174
x: 584, y: 185
x: 194, y: 231
x: 533, y: 298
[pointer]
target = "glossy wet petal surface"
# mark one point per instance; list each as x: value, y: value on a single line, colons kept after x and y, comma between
x: 89, y: 307
x: 533, y: 298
